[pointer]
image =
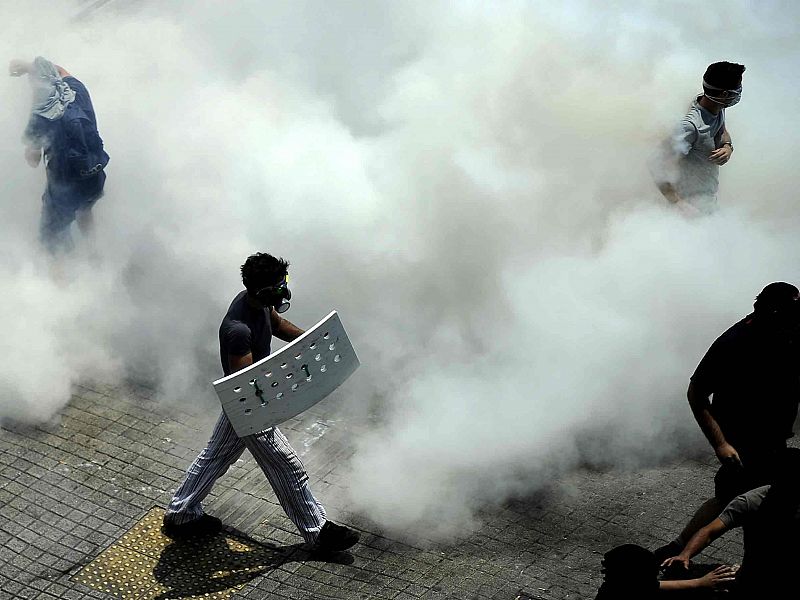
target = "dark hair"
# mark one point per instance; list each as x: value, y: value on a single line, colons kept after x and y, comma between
x: 629, y: 571
x: 724, y: 75
x: 776, y: 297
x: 261, y: 270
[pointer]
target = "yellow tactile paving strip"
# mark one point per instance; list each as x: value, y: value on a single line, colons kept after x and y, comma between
x: 144, y: 564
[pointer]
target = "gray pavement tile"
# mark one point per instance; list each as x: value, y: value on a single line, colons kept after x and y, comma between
x: 15, y: 546
x: 28, y: 592
x: 32, y: 553
x: 5, y: 496
x: 115, y: 454
x: 13, y: 587
x: 39, y: 582
x: 13, y: 488
x: 21, y: 517
x: 407, y: 595
x: 21, y: 562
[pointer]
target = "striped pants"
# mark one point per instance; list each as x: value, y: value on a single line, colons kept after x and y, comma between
x: 277, y: 459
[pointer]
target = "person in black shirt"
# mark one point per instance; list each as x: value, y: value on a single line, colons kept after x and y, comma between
x: 244, y: 338
x: 752, y: 374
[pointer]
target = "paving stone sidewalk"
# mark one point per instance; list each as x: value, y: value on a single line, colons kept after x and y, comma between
x: 72, y: 489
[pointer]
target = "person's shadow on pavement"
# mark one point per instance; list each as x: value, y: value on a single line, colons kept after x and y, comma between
x: 208, y: 564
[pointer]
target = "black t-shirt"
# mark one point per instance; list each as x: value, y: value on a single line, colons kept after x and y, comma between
x: 244, y: 330
x: 755, y: 381
x: 769, y: 555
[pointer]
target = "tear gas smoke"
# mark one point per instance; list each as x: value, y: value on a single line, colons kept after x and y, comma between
x: 465, y: 182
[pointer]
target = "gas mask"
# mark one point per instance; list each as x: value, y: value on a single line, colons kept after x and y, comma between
x: 726, y: 98
x: 276, y: 296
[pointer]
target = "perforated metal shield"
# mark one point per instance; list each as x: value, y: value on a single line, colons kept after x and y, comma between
x: 290, y: 380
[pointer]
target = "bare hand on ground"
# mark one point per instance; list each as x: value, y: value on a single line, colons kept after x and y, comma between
x: 676, y: 560
x: 719, y: 577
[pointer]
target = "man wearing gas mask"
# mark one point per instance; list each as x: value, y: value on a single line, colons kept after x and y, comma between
x: 744, y: 395
x: 687, y: 168
x: 244, y: 338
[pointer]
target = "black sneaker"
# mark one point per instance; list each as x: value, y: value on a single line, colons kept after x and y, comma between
x: 335, y: 538
x: 667, y: 551
x: 205, y: 525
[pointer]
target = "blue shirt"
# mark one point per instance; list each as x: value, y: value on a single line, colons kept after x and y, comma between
x: 69, y: 148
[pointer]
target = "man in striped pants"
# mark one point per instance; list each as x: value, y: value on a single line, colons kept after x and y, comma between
x: 244, y: 338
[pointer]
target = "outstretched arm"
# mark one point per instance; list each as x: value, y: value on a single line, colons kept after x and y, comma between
x: 699, y: 541
x: 18, y: 68
x: 715, y: 579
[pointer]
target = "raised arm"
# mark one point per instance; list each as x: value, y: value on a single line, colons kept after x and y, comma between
x: 18, y: 68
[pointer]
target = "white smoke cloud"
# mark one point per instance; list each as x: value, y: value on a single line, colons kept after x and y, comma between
x: 465, y: 183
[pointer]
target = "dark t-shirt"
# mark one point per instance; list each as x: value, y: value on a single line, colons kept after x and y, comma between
x: 765, y: 557
x: 244, y: 330
x: 755, y: 381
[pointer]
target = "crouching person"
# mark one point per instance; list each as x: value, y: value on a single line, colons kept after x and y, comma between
x: 770, y: 519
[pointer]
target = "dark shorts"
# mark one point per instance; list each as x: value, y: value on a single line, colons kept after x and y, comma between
x: 733, y: 480
x: 61, y: 202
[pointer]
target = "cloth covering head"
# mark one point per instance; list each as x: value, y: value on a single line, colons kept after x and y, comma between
x: 722, y: 83
x: 51, y: 94
x: 724, y: 75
